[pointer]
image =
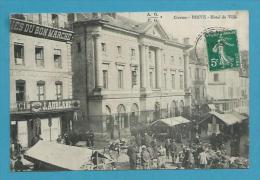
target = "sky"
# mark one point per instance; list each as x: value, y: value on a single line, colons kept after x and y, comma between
x: 192, y: 23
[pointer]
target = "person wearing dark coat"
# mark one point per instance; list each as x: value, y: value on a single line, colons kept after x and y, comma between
x: 18, y: 165
x: 91, y: 138
x: 145, y: 158
x: 173, y: 151
x: 132, y: 151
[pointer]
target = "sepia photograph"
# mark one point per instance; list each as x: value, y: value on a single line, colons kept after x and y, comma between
x: 129, y: 91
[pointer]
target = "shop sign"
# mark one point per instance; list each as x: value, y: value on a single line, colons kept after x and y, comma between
x: 52, y: 105
x: 37, y: 30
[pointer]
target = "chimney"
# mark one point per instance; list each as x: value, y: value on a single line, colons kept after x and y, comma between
x: 96, y: 15
x: 186, y: 41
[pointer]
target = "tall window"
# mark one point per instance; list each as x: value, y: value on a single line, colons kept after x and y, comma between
x: 204, y: 92
x: 40, y: 18
x: 197, y: 73
x: 20, y: 90
x: 151, y: 79
x: 204, y: 74
x: 216, y: 77
x: 57, y: 58
x: 150, y: 55
x: 172, y: 59
x: 18, y: 54
x: 165, y: 80
x: 55, y: 20
x: 39, y: 56
x: 120, y: 79
x: 132, y: 52
x: 173, y: 81
x: 104, y: 48
x: 181, y: 81
x: 119, y: 50
x: 134, y: 78
x: 197, y: 93
x: 105, y: 79
x: 58, y: 85
x: 41, y: 90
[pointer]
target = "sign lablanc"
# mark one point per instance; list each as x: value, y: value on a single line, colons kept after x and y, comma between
x: 36, y: 30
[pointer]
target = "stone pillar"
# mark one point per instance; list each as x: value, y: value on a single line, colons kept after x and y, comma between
x: 186, y: 70
x: 158, y: 67
x: 143, y: 67
x: 98, y: 62
x: 147, y: 67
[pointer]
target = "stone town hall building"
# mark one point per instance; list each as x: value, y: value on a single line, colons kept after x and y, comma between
x: 127, y: 73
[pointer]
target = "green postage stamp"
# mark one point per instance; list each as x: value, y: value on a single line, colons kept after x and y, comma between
x: 222, y: 48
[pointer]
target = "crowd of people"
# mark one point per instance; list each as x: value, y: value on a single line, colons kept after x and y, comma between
x: 145, y: 152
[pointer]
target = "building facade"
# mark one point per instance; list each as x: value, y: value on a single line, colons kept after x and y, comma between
x: 127, y: 73
x: 41, y: 101
x: 198, y: 83
x: 228, y: 90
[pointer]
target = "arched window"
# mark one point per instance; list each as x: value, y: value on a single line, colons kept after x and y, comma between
x: 109, y: 120
x: 122, y: 117
x: 157, y: 111
x: 173, y: 109
x: 134, y: 115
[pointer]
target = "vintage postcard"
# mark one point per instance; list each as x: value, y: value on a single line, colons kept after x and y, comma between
x: 129, y: 91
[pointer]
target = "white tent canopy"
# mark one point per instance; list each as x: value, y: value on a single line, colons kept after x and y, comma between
x: 60, y: 155
x: 172, y: 121
x: 229, y: 118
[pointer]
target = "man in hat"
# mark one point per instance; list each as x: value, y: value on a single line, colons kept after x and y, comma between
x: 161, y: 158
x: 173, y: 151
x: 145, y: 158
x: 91, y: 138
x: 132, y: 151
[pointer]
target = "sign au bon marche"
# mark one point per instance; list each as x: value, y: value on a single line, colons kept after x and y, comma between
x: 36, y: 30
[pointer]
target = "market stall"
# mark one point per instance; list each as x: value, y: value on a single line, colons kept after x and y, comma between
x: 174, y: 127
x: 53, y: 156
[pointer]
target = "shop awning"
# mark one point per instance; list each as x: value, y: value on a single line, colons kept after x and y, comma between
x: 172, y: 121
x: 60, y: 155
x: 229, y: 118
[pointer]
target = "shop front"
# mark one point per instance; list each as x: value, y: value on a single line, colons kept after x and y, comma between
x: 42, y: 119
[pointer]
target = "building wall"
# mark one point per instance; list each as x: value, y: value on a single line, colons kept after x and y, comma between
x: 31, y: 73
x: 226, y: 92
x: 198, y: 78
x: 25, y: 121
x: 95, y: 103
x: 46, y: 19
x: 227, y: 87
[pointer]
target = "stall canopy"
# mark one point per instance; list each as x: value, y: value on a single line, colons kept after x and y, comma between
x: 60, y: 155
x: 229, y: 118
x: 172, y: 121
